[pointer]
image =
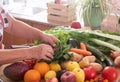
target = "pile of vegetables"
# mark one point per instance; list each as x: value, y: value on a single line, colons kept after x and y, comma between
x: 82, y: 56
x: 100, y: 43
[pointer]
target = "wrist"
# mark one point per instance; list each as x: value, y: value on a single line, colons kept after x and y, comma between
x: 29, y: 53
x: 41, y: 36
x: 34, y: 52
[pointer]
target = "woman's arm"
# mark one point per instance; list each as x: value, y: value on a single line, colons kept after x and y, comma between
x: 21, y: 29
x: 8, y: 55
x: 42, y: 51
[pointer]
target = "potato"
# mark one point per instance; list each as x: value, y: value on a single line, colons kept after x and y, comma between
x: 97, y: 66
x: 76, y: 57
x: 91, y: 59
x: 84, y: 62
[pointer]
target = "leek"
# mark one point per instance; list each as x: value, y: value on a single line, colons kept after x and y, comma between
x: 106, y: 44
x: 114, y: 37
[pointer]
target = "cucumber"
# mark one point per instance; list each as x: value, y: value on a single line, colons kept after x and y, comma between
x: 109, y: 62
x: 102, y: 63
x: 97, y: 53
x: 100, y: 56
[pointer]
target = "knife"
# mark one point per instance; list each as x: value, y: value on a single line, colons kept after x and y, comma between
x: 19, y: 46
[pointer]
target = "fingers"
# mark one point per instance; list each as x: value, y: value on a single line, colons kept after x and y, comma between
x: 48, y: 52
x: 47, y: 57
x: 52, y: 40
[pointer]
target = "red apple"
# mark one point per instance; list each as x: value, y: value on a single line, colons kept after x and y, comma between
x: 54, y: 79
x: 68, y: 76
x: 75, y: 25
x: 90, y: 72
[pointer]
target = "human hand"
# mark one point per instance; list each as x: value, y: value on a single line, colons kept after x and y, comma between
x: 50, y: 39
x: 42, y: 51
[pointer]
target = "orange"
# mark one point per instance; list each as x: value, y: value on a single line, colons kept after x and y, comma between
x: 42, y: 67
x: 32, y: 76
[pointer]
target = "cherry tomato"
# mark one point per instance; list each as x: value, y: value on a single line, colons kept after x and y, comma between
x: 90, y: 72
x: 110, y: 73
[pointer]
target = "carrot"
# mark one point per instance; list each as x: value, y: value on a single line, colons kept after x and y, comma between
x: 83, y: 46
x: 105, y: 80
x: 87, y: 81
x: 91, y: 80
x: 96, y: 79
x: 80, y: 51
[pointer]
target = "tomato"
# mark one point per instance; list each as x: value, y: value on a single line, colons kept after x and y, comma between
x: 30, y: 62
x: 110, y: 73
x: 90, y: 72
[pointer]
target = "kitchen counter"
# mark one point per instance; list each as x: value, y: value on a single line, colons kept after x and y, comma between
x: 41, y: 18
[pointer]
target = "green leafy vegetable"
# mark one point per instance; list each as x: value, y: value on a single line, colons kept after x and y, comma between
x: 89, y: 37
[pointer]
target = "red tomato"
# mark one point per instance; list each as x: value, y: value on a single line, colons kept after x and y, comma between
x: 90, y: 72
x: 30, y: 62
x: 110, y: 73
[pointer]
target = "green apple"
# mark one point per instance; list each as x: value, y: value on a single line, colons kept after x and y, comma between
x: 72, y: 65
x: 80, y: 75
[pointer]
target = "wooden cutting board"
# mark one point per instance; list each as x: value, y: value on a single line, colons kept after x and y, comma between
x: 4, y: 79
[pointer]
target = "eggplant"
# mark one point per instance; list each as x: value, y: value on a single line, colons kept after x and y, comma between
x: 73, y: 43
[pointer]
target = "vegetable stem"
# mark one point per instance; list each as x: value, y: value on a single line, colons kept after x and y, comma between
x: 106, y: 44
x: 114, y: 37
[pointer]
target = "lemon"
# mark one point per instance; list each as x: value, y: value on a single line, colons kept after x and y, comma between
x: 49, y: 74
x: 55, y: 66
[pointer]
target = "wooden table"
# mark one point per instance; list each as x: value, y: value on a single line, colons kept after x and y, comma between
x: 2, y: 77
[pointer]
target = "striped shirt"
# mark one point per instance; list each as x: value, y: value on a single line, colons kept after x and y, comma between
x: 3, y: 24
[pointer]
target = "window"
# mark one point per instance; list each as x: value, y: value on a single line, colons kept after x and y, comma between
x: 16, y: 3
x: 39, y: 3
